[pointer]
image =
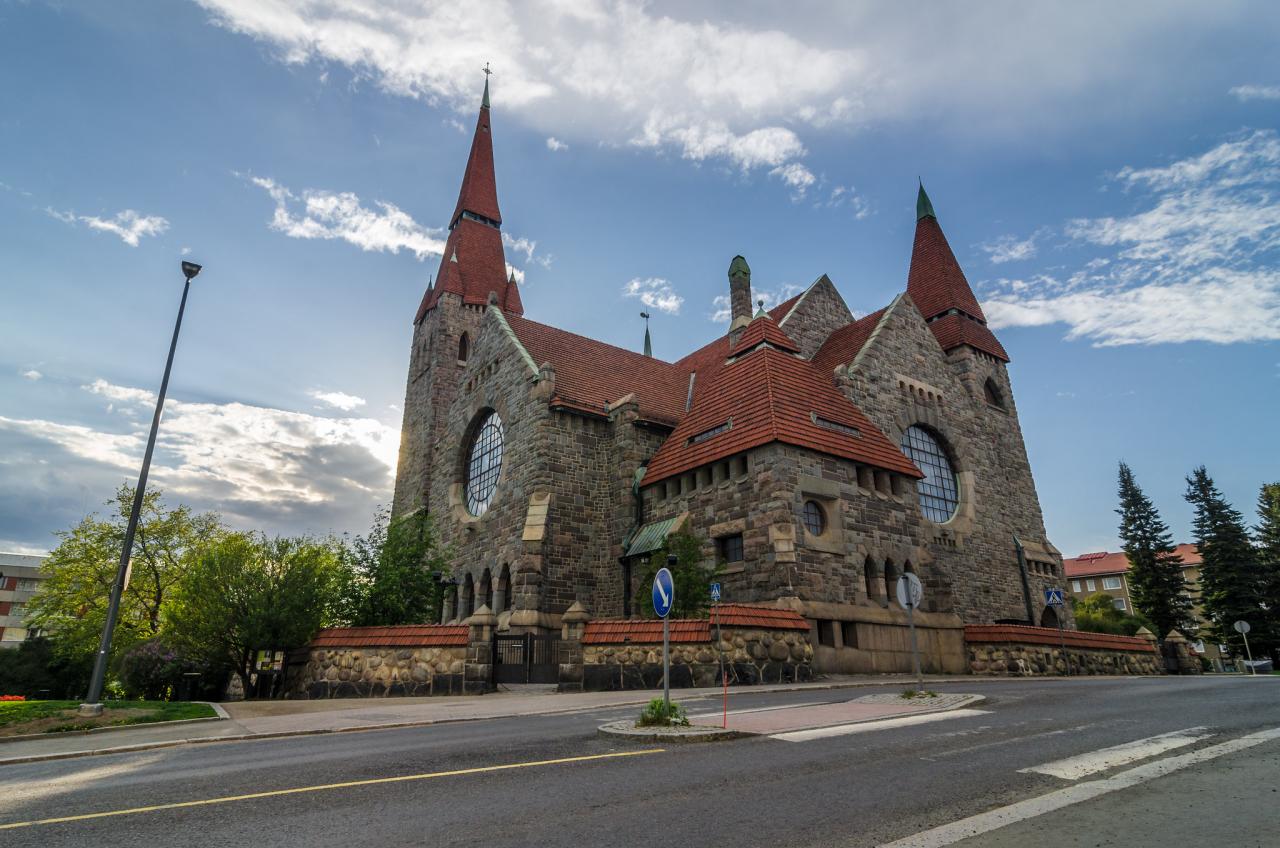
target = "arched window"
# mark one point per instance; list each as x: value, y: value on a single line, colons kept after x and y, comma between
x: 890, y: 581
x: 468, y: 602
x: 939, y: 492
x: 486, y: 590
x: 869, y: 576
x: 484, y: 464
x: 1049, y: 618
x: 815, y: 519
x: 464, y: 347
x: 992, y: 393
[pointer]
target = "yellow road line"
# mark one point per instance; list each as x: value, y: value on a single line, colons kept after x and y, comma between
x: 344, y: 785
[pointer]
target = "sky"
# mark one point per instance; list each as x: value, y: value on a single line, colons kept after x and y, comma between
x: 1107, y: 174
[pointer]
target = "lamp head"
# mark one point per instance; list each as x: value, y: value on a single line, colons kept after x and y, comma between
x: 189, y: 269
x: 672, y: 559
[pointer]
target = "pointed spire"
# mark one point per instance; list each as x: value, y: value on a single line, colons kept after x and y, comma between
x: 431, y: 282
x: 479, y: 192
x: 484, y: 101
x: 924, y: 209
x: 648, y: 345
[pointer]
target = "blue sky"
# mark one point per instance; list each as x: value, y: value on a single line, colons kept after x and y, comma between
x: 1109, y: 177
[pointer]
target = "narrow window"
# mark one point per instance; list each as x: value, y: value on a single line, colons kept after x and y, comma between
x: 827, y: 633
x: 1075, y: 586
x: 992, y: 393
x: 464, y: 347
x: 729, y: 548
x: 1091, y: 585
x: 849, y: 630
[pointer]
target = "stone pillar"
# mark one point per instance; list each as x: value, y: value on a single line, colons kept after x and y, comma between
x: 499, y: 598
x: 572, y: 625
x: 477, y: 672
x: 1177, y: 646
x: 447, y: 609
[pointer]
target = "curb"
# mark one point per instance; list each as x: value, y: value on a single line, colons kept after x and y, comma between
x: 691, y: 733
x: 221, y: 715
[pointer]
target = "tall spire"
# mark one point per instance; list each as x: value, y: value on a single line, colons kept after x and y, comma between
x: 648, y: 345
x: 939, y: 289
x: 474, y: 263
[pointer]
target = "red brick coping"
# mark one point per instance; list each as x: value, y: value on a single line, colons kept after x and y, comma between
x: 649, y: 631
x: 399, y: 636
x: 1021, y: 634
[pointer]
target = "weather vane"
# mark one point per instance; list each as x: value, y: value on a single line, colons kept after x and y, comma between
x: 486, y: 69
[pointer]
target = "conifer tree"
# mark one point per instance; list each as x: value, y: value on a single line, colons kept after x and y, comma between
x: 1155, y: 569
x: 1268, y: 539
x: 1229, y: 574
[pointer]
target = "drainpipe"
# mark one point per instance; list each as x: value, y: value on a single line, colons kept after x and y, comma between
x: 1026, y: 584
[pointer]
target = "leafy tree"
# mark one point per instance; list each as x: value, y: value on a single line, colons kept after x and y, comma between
x: 34, y: 670
x: 1155, y: 569
x: 1267, y: 536
x: 250, y: 593
x: 1230, y: 578
x: 72, y: 602
x: 154, y: 670
x: 395, y: 572
x: 1098, y: 614
x: 692, y: 576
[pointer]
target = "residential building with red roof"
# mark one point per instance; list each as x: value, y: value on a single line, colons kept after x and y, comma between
x: 818, y: 456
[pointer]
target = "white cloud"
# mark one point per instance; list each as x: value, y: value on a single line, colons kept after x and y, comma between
x: 656, y: 293
x: 340, y: 215
x: 1009, y: 248
x: 513, y: 271
x: 1196, y: 263
x: 743, y: 86
x: 264, y: 468
x: 1245, y: 93
x: 722, y: 309
x: 556, y: 145
x: 337, y: 400
x: 32, y: 374
x: 130, y: 226
x: 847, y: 195
x: 528, y: 247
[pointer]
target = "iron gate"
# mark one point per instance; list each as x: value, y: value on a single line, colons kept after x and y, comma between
x: 526, y: 659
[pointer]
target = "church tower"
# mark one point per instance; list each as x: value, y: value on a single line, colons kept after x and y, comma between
x: 473, y: 273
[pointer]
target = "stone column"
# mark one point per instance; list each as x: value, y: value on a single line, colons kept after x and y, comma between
x: 499, y: 598
x: 1186, y: 657
x: 447, y: 609
x: 572, y: 625
x: 477, y: 672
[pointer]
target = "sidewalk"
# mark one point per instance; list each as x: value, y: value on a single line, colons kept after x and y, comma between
x: 272, y: 719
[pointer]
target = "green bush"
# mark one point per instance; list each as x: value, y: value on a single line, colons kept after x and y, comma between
x: 154, y: 671
x: 655, y: 714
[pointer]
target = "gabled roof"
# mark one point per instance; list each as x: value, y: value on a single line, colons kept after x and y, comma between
x: 844, y: 344
x: 954, y: 330
x: 770, y: 396
x: 763, y: 330
x: 591, y: 374
x: 1105, y: 562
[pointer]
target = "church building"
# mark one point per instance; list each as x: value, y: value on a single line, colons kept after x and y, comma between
x: 818, y: 455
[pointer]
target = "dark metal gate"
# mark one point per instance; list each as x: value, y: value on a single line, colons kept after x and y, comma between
x: 526, y: 659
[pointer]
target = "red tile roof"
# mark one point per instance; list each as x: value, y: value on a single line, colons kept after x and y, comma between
x: 954, y: 330
x: 649, y: 631
x: 1021, y: 634
x: 1103, y: 562
x: 843, y: 345
x: 590, y: 374
x: 398, y: 636
x: 935, y: 281
x: 770, y: 396
x: 761, y: 330
x: 479, y: 192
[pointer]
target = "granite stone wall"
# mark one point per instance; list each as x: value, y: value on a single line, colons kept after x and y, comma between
x: 1035, y: 651
x: 374, y: 672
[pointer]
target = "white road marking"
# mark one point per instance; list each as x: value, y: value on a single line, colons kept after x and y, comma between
x: 868, y: 726
x: 1083, y: 765
x: 949, y: 834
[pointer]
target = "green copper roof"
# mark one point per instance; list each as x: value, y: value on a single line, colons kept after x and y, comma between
x: 924, y: 209
x: 739, y: 267
x: 648, y: 346
x: 652, y: 536
x: 484, y: 101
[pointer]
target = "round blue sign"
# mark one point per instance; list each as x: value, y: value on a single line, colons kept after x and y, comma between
x: 664, y: 593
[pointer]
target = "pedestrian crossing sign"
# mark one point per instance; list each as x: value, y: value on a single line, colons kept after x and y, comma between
x: 1053, y: 597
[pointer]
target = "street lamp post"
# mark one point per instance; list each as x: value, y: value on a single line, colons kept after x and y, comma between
x: 93, y: 703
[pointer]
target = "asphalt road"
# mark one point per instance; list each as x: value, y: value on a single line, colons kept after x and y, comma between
x: 490, y: 782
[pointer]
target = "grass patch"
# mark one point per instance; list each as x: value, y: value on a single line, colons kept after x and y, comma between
x: 912, y: 693
x: 22, y: 717
x: 655, y: 714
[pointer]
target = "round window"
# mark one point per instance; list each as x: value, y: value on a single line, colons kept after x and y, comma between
x: 939, y: 494
x: 484, y: 463
x: 815, y: 520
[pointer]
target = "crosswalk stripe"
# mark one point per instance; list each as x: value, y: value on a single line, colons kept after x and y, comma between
x: 868, y: 726
x: 1092, y: 762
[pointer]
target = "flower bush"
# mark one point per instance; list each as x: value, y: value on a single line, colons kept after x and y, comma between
x: 153, y: 670
x: 13, y: 697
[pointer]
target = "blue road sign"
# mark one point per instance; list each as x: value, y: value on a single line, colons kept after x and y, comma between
x: 664, y: 593
x: 1053, y: 597
x: 715, y: 591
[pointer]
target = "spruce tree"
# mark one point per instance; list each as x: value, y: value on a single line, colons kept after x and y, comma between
x: 1155, y: 569
x: 1268, y: 539
x: 1229, y: 574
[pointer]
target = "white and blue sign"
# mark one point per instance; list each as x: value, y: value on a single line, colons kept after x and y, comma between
x: 664, y: 593
x: 715, y: 592
x: 1053, y: 597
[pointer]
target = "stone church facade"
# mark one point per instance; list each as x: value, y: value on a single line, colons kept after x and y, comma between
x: 819, y: 456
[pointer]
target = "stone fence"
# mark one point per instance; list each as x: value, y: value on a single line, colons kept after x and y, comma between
x: 361, y: 662
x: 1012, y: 650
x: 756, y: 644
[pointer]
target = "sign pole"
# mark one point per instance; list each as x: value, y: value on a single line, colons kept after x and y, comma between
x: 915, y: 652
x: 1248, y: 653
x: 1062, y: 640
x: 666, y: 665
